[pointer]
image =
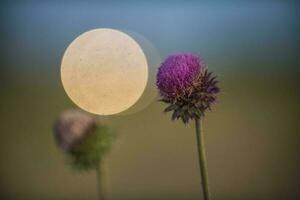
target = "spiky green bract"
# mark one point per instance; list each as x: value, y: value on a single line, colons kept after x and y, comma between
x: 91, y: 151
x: 196, y: 100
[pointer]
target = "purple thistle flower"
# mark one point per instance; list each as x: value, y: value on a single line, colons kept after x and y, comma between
x: 185, y: 83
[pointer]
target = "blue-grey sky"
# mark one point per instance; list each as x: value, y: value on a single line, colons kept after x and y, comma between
x: 231, y: 35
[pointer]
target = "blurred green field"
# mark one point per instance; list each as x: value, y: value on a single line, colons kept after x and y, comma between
x: 252, y: 139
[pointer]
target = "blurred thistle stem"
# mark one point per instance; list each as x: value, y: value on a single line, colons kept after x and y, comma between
x: 86, y: 141
x: 99, y: 182
x: 202, y: 158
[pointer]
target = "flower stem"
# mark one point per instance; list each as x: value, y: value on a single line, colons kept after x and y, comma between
x: 99, y: 182
x: 202, y: 159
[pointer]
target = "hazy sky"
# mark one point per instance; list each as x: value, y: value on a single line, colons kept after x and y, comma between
x: 232, y: 35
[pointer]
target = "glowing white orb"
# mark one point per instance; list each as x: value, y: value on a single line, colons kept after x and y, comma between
x: 104, y: 71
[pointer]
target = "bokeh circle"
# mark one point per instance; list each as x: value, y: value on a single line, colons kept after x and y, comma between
x: 104, y: 71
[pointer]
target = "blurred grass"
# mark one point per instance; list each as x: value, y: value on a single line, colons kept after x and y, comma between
x: 252, y: 140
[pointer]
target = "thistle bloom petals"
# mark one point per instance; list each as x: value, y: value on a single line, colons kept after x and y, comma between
x: 177, y: 73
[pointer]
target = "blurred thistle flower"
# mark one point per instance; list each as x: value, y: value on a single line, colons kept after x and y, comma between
x: 190, y: 90
x: 84, y: 140
x: 186, y: 85
x: 71, y: 127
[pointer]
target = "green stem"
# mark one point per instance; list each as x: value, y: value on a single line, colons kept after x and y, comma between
x: 202, y: 160
x: 99, y: 182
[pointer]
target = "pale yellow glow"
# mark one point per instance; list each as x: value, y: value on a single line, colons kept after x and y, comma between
x: 104, y: 71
